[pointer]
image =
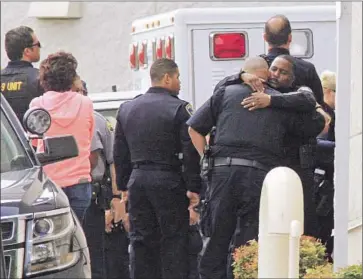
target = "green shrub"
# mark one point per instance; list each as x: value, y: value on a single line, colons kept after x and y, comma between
x: 326, y: 271
x: 350, y: 272
x: 245, y: 261
x: 312, y: 254
x: 312, y: 262
x: 320, y: 272
x: 245, y: 264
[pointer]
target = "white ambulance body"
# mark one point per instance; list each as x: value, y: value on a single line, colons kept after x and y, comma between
x: 211, y: 43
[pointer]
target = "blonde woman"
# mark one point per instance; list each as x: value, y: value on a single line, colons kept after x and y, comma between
x: 328, y: 82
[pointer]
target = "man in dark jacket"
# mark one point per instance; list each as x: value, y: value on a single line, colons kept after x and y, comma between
x: 278, y: 37
x: 300, y: 150
x: 157, y: 169
x: 247, y: 145
x: 20, y: 80
x: 281, y: 78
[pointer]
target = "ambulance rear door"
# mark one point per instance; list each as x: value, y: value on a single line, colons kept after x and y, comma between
x: 220, y: 52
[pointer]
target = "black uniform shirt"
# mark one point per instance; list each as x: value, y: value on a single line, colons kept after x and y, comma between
x: 152, y: 128
x: 19, y: 85
x: 326, y: 146
x: 305, y: 74
x: 255, y: 135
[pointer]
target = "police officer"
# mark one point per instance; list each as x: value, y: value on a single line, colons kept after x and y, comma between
x: 277, y: 35
x: 157, y: 168
x: 245, y: 149
x: 20, y: 80
x: 324, y: 172
x: 301, y: 151
x: 97, y: 217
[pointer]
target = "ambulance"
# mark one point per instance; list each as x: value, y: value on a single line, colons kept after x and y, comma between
x: 210, y: 43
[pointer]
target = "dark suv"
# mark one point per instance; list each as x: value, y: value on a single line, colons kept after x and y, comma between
x: 41, y: 236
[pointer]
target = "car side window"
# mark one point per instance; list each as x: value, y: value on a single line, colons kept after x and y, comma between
x: 13, y: 155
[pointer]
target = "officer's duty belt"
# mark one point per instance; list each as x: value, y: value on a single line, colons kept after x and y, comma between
x: 228, y: 161
x: 153, y: 166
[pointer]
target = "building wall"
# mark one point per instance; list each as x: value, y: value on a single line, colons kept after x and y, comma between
x: 100, y: 39
x: 355, y: 164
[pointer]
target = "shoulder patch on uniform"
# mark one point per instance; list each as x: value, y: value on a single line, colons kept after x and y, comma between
x: 189, y: 109
x: 109, y: 126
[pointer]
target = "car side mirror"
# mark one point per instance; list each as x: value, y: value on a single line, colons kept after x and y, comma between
x: 37, y: 121
x: 57, y: 149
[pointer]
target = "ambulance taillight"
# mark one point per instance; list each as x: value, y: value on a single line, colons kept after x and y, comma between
x: 169, y: 47
x: 228, y: 46
x: 142, y: 55
x: 160, y: 50
x: 133, y: 56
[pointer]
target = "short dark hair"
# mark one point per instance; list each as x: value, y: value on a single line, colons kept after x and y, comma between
x: 16, y: 40
x: 58, y: 71
x: 161, y: 67
x: 277, y: 34
x: 289, y: 59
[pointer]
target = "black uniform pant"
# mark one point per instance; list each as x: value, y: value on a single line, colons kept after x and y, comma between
x: 310, y: 217
x: 234, y: 192
x: 94, y: 229
x: 195, y: 247
x: 117, y: 255
x: 324, y: 200
x: 159, y: 223
x: 326, y: 226
x: 108, y: 252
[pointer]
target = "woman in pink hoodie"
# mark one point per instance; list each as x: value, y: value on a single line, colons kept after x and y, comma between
x: 72, y: 114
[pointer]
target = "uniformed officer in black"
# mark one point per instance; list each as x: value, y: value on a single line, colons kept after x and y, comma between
x: 20, y: 80
x: 158, y: 166
x: 277, y: 35
x: 247, y: 145
x: 301, y: 100
x: 301, y: 151
x: 108, y: 252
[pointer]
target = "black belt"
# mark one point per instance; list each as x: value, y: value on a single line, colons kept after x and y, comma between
x: 228, y: 161
x: 153, y: 166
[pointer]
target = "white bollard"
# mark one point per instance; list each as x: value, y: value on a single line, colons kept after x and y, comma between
x: 294, y: 248
x: 281, y: 203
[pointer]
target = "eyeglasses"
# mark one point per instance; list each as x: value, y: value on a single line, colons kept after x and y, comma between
x: 36, y: 44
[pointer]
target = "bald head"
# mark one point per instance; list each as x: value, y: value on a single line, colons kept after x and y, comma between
x: 278, y: 31
x: 256, y: 66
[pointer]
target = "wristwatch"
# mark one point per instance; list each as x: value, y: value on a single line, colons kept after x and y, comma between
x: 117, y: 197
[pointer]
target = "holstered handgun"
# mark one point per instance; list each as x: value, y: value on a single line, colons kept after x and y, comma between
x: 99, y: 195
x: 206, y: 162
x: 102, y: 191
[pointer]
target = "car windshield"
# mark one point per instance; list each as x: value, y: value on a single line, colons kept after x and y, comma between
x: 13, y: 154
x: 109, y: 114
